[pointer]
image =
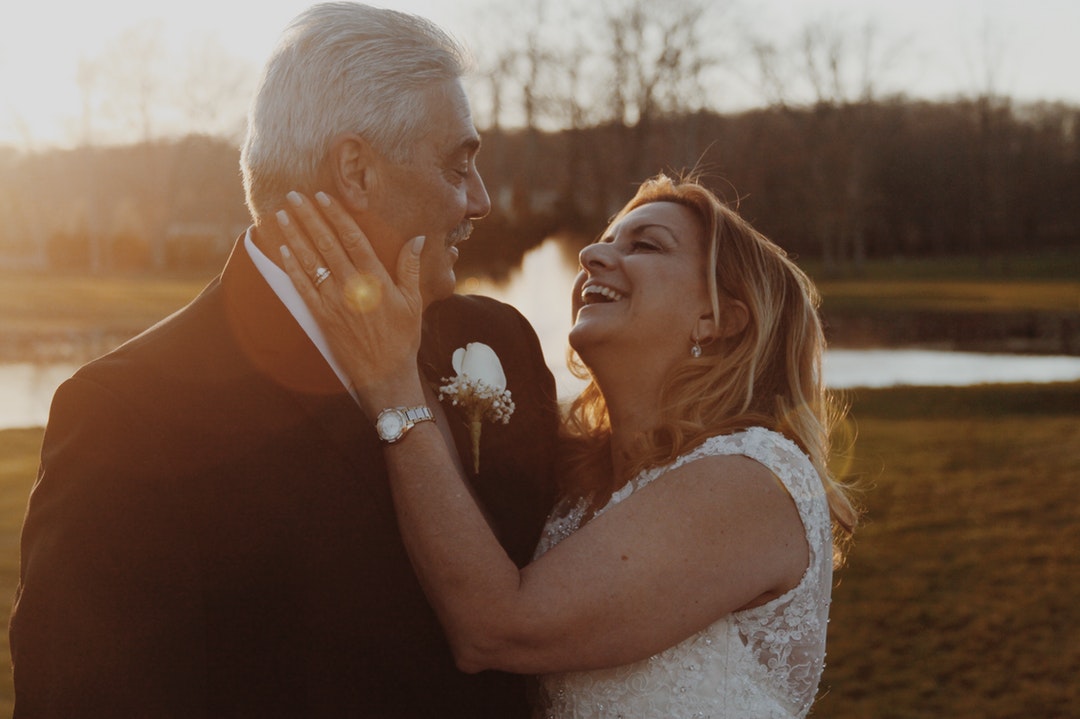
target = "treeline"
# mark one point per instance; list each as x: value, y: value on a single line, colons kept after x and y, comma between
x: 159, y: 205
x: 837, y: 182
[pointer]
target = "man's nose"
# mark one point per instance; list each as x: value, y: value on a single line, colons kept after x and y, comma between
x: 479, y: 202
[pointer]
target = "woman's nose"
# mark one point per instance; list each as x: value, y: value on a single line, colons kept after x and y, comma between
x: 595, y: 256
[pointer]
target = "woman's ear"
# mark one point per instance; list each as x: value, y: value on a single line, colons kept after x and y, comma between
x: 734, y: 317
x: 353, y: 169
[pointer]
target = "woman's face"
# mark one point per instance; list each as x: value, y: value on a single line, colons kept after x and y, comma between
x: 642, y: 286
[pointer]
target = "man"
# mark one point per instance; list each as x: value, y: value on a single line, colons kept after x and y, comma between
x: 211, y: 533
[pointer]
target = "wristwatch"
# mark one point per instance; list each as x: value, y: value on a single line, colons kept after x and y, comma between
x: 393, y: 423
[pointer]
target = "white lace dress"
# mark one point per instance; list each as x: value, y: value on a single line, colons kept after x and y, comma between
x: 761, y: 663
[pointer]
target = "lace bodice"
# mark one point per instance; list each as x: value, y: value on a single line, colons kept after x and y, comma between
x: 761, y: 663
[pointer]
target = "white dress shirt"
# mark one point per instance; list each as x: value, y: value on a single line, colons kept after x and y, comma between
x: 283, y: 287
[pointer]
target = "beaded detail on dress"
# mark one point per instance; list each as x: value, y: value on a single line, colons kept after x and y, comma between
x: 760, y: 663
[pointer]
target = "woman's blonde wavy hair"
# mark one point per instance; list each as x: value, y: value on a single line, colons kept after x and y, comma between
x: 768, y: 374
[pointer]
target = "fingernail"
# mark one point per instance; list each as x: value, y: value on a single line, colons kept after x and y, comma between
x: 322, y: 199
x: 418, y: 244
x: 283, y: 218
x: 294, y: 198
x: 285, y: 252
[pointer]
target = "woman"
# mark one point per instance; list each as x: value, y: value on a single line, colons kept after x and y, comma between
x: 688, y: 569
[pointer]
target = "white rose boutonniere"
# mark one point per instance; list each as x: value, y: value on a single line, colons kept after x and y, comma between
x: 479, y: 388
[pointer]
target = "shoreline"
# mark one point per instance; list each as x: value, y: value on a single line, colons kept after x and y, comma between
x: 1007, y: 332
x: 1019, y: 333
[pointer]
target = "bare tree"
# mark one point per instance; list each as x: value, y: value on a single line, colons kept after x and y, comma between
x: 517, y: 62
x: 987, y: 151
x: 524, y: 70
x: 657, y: 54
x: 624, y: 64
x: 214, y: 89
x: 494, y: 76
x: 827, y: 61
x: 132, y: 80
x: 534, y: 59
x: 773, y: 81
x: 987, y: 60
x: 839, y: 70
x: 86, y: 77
x: 658, y: 57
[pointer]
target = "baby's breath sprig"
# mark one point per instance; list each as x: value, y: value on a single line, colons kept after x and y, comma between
x: 479, y: 390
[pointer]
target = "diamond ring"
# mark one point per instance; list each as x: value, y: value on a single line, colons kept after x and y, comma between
x: 322, y: 274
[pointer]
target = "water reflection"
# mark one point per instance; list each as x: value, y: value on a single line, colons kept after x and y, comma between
x: 27, y: 389
x: 540, y: 289
x: 889, y: 368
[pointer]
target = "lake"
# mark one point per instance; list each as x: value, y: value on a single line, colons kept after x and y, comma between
x: 541, y: 290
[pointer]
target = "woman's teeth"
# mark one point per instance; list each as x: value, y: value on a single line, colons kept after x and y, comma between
x: 599, y: 293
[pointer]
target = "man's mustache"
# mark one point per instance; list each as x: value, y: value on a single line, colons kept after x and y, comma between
x: 459, y: 234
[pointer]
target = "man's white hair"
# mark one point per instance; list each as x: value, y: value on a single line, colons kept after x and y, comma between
x: 340, y: 67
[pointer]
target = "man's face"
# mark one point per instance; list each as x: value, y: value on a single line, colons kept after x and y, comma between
x: 436, y: 193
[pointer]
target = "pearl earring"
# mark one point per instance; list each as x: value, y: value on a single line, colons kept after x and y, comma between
x: 695, y: 350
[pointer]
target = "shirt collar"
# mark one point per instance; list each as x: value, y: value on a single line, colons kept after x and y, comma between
x: 283, y: 287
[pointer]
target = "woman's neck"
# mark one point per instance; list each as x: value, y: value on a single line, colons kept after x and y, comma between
x: 633, y: 408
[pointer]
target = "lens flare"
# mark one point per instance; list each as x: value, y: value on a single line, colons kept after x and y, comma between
x: 364, y: 293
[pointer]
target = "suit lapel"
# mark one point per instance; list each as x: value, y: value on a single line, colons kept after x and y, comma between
x: 279, y: 350
x: 436, y: 366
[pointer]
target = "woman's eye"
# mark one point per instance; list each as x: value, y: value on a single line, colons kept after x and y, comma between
x: 645, y: 246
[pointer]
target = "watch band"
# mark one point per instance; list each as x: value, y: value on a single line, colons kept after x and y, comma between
x: 418, y: 414
x: 393, y: 423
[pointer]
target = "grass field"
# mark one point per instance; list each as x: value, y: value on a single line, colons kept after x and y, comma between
x: 63, y: 301
x: 960, y: 598
x: 960, y: 595
x: 18, y: 468
x: 929, y: 295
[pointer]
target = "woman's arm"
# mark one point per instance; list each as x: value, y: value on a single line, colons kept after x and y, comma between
x: 713, y: 536
x: 705, y: 540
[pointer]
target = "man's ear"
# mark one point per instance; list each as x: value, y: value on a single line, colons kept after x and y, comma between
x: 353, y: 168
x: 734, y: 317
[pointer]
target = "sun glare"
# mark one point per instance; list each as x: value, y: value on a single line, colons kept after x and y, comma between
x: 43, y: 102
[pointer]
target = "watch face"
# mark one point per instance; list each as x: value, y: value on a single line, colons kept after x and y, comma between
x: 390, y: 425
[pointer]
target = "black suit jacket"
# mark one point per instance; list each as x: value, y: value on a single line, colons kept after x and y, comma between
x: 212, y: 535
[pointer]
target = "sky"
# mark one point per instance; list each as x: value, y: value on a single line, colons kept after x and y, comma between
x: 947, y: 44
